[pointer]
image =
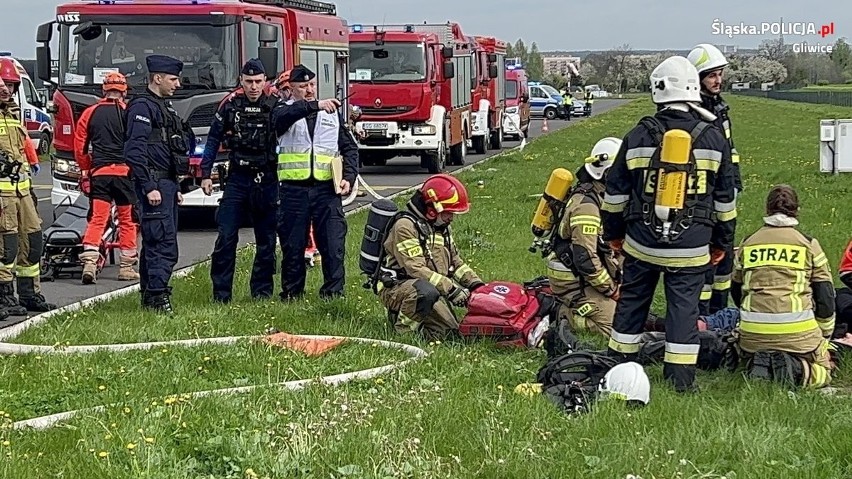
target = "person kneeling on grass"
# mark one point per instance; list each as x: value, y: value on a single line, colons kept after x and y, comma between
x: 783, y: 286
x: 422, y: 269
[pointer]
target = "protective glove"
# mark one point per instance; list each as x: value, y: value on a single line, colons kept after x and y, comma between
x: 616, y: 246
x: 616, y: 295
x: 475, y: 285
x: 85, y: 184
x: 36, y: 168
x: 716, y: 255
x: 459, y: 296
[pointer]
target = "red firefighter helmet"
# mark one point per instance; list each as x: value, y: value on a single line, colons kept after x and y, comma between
x: 9, y: 71
x: 444, y: 193
x: 114, y: 81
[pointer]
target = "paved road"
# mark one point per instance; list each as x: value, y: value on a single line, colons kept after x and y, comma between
x: 198, y: 233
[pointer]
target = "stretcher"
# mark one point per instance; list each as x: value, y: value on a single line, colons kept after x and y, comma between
x: 63, y: 240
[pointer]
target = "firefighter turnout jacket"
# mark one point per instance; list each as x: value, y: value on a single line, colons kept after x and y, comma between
x: 15, y: 144
x: 579, y: 258
x: 783, y: 286
x: 720, y: 108
x: 709, y: 215
x: 416, y: 249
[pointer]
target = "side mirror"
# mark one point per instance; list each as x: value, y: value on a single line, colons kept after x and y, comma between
x: 268, y: 33
x: 492, y: 58
x: 447, y: 52
x: 44, y: 33
x: 269, y: 57
x: 43, y: 63
x: 448, y: 70
x: 492, y: 71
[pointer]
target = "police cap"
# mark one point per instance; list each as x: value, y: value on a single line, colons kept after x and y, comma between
x: 301, y: 73
x: 253, y: 67
x: 164, y: 64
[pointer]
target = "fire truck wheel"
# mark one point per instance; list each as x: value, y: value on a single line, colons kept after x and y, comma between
x: 458, y: 153
x: 44, y: 143
x: 497, y: 139
x: 436, y: 161
x: 480, y: 143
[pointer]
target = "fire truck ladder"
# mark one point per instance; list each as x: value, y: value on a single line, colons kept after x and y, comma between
x: 312, y: 6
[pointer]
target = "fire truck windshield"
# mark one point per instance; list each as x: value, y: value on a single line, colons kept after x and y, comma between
x: 210, y: 53
x: 511, y: 89
x: 391, y: 62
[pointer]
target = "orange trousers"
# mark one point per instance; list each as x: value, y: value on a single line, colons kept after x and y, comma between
x: 100, y: 214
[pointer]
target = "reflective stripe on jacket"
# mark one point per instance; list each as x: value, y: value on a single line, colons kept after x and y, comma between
x: 300, y: 158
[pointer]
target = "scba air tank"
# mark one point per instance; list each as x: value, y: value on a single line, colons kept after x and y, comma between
x: 381, y: 213
x: 672, y: 185
x: 555, y: 193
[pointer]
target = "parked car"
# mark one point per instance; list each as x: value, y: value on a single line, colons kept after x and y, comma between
x: 581, y: 108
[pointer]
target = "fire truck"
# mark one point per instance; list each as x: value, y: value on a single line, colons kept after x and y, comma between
x: 213, y: 38
x: 487, y: 127
x: 413, y: 85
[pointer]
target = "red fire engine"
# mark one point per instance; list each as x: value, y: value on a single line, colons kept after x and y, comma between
x: 213, y: 38
x: 413, y: 84
x: 488, y: 119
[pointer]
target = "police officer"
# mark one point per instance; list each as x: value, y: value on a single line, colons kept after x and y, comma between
x: 784, y: 329
x: 157, y: 149
x: 677, y: 242
x: 423, y: 269
x: 711, y: 63
x: 243, y: 123
x: 20, y: 224
x: 311, y: 136
x: 582, y: 271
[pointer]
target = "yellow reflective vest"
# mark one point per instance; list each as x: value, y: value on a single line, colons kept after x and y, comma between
x: 300, y: 157
x: 12, y: 138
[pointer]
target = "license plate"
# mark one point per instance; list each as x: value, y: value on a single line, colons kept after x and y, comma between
x: 375, y: 126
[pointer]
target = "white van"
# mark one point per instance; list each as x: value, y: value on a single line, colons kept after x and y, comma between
x: 33, y: 104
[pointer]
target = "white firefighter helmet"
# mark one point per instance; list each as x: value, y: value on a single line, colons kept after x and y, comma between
x: 675, y: 80
x: 627, y: 382
x: 602, y: 157
x: 707, y: 58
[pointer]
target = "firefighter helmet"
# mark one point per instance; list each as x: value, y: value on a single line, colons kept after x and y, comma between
x: 9, y: 71
x: 675, y: 80
x: 283, y: 79
x: 628, y: 382
x: 444, y: 193
x: 114, y: 81
x: 602, y: 157
x: 707, y: 58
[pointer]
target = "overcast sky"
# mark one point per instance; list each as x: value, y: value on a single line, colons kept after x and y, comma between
x: 553, y: 24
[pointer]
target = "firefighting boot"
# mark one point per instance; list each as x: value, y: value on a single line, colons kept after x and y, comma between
x: 90, y: 258
x: 125, y: 268
x: 777, y: 366
x: 30, y: 298
x: 654, y: 323
x: 158, y: 303
x: 9, y: 303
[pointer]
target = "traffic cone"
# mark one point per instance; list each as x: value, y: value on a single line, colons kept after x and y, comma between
x: 544, y: 126
x: 311, y: 252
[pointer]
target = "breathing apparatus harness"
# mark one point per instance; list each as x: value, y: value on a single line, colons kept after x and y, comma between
x: 641, y: 207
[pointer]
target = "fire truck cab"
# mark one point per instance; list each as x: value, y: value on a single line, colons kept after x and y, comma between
x: 213, y: 38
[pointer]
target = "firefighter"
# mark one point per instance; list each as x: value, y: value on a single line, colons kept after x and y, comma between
x: 658, y: 234
x: 711, y: 64
x: 20, y: 225
x: 582, y: 271
x: 846, y: 266
x: 784, y: 329
x: 157, y: 150
x: 843, y: 300
x: 422, y: 265
x: 99, y: 151
x: 243, y: 124
x: 312, y: 136
x: 282, y: 85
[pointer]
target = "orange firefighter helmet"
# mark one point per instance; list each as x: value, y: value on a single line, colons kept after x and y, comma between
x: 114, y: 81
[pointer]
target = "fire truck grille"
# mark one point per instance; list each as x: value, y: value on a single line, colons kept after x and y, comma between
x: 202, y: 116
x: 387, y: 110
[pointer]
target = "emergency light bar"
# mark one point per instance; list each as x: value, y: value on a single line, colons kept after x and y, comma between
x: 175, y: 2
x: 312, y: 6
x: 357, y: 28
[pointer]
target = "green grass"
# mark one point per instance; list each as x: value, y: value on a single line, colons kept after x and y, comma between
x: 453, y: 414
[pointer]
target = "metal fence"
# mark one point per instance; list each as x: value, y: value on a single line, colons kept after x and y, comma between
x: 839, y: 98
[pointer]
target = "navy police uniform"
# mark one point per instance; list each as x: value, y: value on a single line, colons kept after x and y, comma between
x: 156, y: 148
x: 717, y: 283
x: 683, y: 255
x: 309, y: 142
x: 251, y: 188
